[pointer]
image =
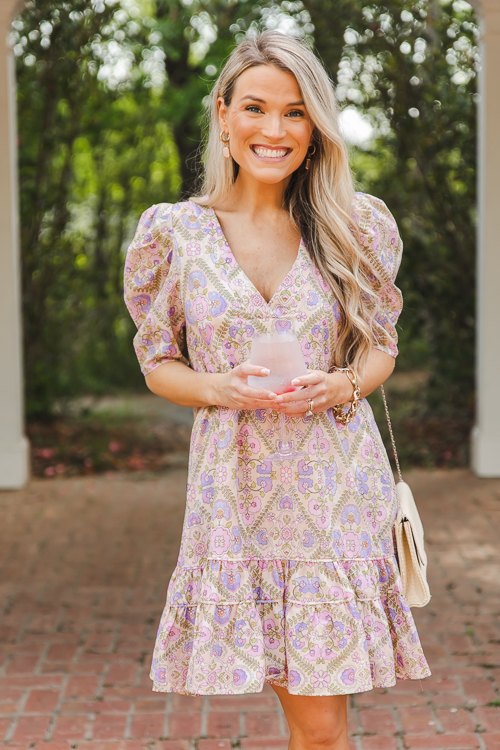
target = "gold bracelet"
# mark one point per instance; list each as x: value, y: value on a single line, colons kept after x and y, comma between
x: 344, y: 417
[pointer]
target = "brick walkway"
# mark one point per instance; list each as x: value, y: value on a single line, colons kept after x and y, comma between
x: 84, y: 568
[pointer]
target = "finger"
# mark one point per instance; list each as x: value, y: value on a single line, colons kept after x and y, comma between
x: 250, y: 403
x: 295, y: 409
x: 313, y: 391
x: 300, y: 407
x: 248, y: 391
x: 247, y: 369
x: 313, y: 377
x: 246, y: 394
x: 261, y: 405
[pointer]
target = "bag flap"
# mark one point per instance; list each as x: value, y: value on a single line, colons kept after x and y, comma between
x: 408, y: 509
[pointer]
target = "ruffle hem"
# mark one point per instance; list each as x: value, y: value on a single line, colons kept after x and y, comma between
x: 315, y: 627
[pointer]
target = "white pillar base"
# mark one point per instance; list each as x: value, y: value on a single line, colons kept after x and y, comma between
x: 14, y: 465
x: 485, y: 454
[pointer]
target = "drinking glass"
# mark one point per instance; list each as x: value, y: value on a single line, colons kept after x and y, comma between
x: 280, y: 352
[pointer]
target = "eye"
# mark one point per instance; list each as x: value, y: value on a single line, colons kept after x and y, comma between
x: 296, y: 112
x: 253, y: 106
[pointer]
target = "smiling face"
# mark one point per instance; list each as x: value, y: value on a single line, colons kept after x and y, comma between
x: 268, y: 125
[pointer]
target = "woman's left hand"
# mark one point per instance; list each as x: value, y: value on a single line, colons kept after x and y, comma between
x: 323, y: 388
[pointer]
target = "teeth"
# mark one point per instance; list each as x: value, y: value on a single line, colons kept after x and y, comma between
x: 273, y: 153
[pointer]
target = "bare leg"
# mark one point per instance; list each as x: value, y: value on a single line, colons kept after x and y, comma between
x: 316, y: 722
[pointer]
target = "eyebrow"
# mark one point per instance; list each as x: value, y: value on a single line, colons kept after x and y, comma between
x: 256, y: 99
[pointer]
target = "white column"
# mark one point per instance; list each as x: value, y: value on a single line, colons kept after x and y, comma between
x: 486, y: 433
x: 14, y: 448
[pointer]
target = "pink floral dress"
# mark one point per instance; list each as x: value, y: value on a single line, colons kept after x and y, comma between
x: 286, y: 572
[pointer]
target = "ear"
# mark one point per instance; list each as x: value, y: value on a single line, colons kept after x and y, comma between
x: 222, y: 113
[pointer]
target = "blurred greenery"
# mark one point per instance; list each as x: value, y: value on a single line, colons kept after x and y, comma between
x: 415, y: 66
x: 92, y: 157
x: 110, y: 102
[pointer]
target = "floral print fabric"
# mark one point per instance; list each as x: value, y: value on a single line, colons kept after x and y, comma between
x: 286, y: 571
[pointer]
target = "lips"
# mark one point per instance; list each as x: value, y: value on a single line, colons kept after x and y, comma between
x: 268, y: 152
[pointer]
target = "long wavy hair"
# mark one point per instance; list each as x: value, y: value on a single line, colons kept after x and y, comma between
x: 319, y: 200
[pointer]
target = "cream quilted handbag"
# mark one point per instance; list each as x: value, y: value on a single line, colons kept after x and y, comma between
x: 409, y: 534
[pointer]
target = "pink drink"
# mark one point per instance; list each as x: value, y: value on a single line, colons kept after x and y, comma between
x: 280, y: 353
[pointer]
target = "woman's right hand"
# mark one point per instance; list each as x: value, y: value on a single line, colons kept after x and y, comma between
x: 233, y: 391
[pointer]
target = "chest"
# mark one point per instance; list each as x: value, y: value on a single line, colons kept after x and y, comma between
x: 265, y: 255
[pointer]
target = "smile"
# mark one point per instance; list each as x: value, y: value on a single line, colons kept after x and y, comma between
x: 264, y: 152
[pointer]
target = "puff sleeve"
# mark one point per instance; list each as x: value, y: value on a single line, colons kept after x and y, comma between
x: 152, y: 291
x: 383, y: 247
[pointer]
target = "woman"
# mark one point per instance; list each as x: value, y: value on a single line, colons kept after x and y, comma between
x: 286, y: 572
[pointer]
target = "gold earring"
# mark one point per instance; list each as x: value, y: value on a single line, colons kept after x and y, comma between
x: 308, y: 160
x: 225, y: 141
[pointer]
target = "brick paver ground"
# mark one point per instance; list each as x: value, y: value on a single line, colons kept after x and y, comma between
x: 84, y: 566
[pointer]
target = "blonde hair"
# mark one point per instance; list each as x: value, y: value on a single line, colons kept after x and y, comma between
x: 319, y: 200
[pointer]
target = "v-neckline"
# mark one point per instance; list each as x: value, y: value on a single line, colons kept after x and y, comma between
x: 242, y: 272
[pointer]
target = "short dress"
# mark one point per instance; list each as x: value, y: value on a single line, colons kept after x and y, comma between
x: 286, y: 572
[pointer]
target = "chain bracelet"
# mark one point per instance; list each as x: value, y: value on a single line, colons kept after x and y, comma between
x: 344, y: 417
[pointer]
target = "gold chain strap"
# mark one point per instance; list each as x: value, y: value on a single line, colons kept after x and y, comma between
x: 391, y: 434
x: 344, y: 417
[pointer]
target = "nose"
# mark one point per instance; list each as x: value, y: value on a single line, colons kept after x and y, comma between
x: 274, y: 127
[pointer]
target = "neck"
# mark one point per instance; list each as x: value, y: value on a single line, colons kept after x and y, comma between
x: 254, y: 197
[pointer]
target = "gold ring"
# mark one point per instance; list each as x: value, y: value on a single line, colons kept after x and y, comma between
x: 310, y: 407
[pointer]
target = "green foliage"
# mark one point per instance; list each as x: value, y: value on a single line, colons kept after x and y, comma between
x: 110, y: 100
x: 118, y: 172
x: 95, y: 151
x: 411, y: 66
